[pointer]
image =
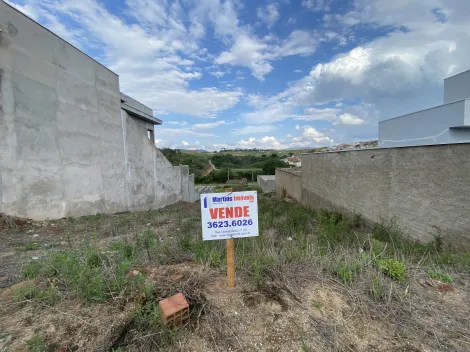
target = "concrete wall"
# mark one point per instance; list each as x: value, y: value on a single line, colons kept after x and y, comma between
x: 267, y: 183
x: 443, y: 124
x: 289, y: 184
x: 65, y: 147
x: 457, y: 87
x: 425, y: 189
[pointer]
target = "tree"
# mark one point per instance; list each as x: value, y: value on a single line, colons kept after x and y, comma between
x: 270, y: 166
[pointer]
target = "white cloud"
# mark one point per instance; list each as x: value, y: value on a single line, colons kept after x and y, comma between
x: 312, y: 133
x: 171, y: 132
x: 205, y: 126
x: 247, y: 51
x: 317, y: 5
x: 277, y: 111
x: 217, y: 74
x: 185, y: 143
x: 267, y: 142
x: 180, y: 123
x: 310, y: 137
x: 207, y: 102
x: 297, y: 71
x: 297, y: 127
x: 349, y: 119
x: 257, y: 53
x: 315, y: 114
x: 269, y: 15
x: 255, y: 129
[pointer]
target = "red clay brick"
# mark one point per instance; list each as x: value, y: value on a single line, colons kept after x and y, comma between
x: 175, y: 310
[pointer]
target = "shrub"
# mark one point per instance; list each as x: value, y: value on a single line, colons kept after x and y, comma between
x: 393, y: 268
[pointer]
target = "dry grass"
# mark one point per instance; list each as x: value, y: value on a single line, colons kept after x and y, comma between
x: 309, y: 282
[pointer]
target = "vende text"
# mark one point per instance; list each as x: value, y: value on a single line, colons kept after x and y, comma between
x: 228, y: 213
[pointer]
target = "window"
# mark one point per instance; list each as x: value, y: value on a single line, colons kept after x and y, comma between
x: 150, y: 135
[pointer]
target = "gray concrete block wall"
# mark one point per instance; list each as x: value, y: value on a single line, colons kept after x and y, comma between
x: 289, y: 184
x: 65, y: 147
x: 425, y: 189
x: 267, y: 183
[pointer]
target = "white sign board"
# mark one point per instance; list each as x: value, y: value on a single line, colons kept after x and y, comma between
x: 229, y: 215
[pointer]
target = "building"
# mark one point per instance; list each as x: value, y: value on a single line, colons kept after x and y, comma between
x: 71, y: 143
x: 293, y: 161
x: 443, y: 124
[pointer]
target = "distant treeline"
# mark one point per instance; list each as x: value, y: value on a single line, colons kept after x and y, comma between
x: 221, y: 160
x: 197, y: 162
x: 243, y: 166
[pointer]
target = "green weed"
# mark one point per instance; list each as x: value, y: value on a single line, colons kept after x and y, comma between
x: 36, y: 344
x: 376, y: 289
x: 304, y: 346
x: 147, y: 241
x: 318, y: 305
x: 87, y: 272
x: 439, y: 276
x: 393, y: 268
x: 460, y: 261
x: 345, y: 274
x: 30, y: 246
x: 147, y: 317
x: 41, y: 295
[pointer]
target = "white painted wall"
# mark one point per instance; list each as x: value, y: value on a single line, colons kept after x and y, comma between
x: 444, y: 124
x: 457, y: 87
x: 440, y: 125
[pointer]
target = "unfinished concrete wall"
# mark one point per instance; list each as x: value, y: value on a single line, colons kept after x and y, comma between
x: 152, y: 182
x: 65, y: 148
x: 289, y: 184
x: 267, y: 183
x: 425, y: 188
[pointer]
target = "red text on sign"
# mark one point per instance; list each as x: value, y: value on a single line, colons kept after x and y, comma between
x: 229, y: 213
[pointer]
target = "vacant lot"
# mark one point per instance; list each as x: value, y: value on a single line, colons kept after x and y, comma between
x: 310, y: 282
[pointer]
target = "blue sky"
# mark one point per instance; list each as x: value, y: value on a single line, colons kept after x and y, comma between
x: 269, y: 74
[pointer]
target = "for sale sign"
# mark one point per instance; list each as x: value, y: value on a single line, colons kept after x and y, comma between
x: 229, y: 215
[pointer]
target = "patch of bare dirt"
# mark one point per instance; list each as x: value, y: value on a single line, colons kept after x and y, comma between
x: 76, y: 326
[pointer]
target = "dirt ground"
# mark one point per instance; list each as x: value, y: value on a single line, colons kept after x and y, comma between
x: 319, y: 314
